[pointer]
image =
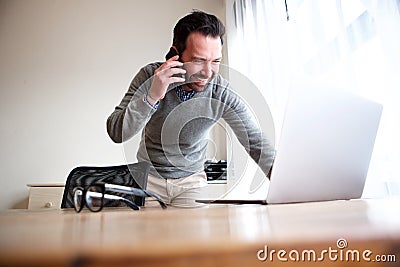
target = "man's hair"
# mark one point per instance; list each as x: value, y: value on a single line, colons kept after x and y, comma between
x: 197, y: 21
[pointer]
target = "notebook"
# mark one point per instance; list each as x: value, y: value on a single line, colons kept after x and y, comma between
x: 324, y: 151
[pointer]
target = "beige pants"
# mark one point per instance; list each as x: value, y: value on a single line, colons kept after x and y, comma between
x: 181, y: 192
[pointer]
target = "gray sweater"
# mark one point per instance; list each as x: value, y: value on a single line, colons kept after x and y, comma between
x: 174, y: 136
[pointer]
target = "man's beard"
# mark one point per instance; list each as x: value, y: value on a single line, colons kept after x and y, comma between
x: 197, y: 82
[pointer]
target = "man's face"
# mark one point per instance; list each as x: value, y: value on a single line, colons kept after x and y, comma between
x: 202, y: 57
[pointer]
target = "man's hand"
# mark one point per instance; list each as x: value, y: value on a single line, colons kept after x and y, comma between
x: 163, y: 77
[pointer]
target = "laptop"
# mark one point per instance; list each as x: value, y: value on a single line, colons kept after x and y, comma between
x: 324, y: 151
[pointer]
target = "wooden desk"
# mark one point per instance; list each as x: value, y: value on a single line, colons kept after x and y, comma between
x: 216, y: 236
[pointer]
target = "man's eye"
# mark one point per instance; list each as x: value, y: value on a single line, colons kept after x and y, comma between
x: 198, y: 61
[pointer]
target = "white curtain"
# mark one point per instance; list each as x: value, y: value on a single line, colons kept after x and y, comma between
x: 354, y: 44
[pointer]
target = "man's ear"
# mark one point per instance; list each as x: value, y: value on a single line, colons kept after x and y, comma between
x: 172, y: 52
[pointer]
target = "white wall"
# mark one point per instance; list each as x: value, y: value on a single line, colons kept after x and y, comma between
x: 64, y: 66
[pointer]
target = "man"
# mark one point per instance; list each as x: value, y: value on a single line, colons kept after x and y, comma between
x: 176, y: 103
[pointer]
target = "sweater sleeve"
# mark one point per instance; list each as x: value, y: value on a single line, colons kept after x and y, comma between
x: 244, y: 125
x: 132, y: 114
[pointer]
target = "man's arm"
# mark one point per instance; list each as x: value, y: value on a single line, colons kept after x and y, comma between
x: 132, y: 114
x: 249, y: 134
x: 140, y: 102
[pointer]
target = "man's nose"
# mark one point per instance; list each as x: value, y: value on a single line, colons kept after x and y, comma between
x: 207, y: 69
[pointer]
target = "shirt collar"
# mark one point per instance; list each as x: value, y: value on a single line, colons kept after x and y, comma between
x: 183, y: 94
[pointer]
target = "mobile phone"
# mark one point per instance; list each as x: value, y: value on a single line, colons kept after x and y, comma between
x: 171, y: 53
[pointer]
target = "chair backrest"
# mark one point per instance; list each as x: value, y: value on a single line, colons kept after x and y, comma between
x: 134, y: 175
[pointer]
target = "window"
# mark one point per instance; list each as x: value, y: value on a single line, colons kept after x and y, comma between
x: 352, y: 43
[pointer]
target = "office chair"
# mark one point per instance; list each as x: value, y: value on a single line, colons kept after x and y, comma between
x: 134, y: 175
